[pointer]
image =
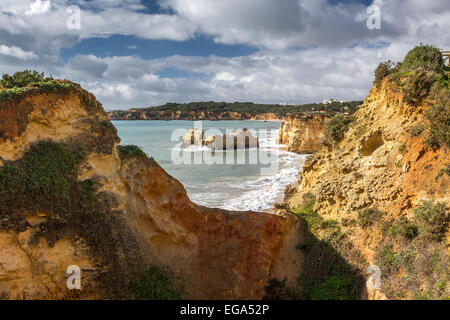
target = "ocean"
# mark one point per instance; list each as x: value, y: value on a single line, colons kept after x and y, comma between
x: 238, y: 180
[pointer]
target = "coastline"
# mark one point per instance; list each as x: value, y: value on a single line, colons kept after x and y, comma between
x: 271, y: 120
x: 252, y: 191
x: 279, y: 199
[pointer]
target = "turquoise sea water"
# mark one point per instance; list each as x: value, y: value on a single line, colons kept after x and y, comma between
x: 234, y: 180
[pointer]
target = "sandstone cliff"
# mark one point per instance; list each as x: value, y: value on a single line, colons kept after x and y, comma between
x: 71, y: 197
x: 372, y: 185
x: 303, y: 133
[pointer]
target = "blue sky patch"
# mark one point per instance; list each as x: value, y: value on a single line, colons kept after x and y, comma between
x: 122, y: 45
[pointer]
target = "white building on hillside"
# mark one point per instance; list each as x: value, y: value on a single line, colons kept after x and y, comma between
x: 328, y: 101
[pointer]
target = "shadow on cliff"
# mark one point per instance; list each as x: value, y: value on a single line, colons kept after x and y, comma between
x: 331, y: 270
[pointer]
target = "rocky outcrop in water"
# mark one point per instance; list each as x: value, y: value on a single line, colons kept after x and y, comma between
x: 114, y: 213
x: 234, y: 140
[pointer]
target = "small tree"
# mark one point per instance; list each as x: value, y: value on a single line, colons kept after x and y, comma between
x: 337, y: 126
x: 439, y: 117
x: 425, y: 57
x: 21, y: 79
x: 382, y: 71
x: 433, y: 219
x: 417, y: 86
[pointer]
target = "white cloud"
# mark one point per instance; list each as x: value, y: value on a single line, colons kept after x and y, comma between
x: 17, y: 52
x: 297, y: 76
x: 39, y: 7
x: 224, y: 76
x: 306, y: 49
x: 291, y: 23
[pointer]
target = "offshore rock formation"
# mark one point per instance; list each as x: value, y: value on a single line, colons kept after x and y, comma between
x: 139, y: 114
x: 303, y: 133
x: 144, y: 217
x: 236, y: 139
x: 379, y: 164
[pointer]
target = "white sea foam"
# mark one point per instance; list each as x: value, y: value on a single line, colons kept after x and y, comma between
x: 232, y: 186
x: 263, y: 192
x: 257, y: 193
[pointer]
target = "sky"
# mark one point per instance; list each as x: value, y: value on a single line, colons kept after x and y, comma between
x: 140, y: 53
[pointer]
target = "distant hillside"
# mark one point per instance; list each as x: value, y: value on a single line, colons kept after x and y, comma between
x: 227, y: 111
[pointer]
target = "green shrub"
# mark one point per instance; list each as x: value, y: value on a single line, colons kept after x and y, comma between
x: 433, y: 219
x: 439, y: 118
x: 402, y: 148
x: 108, y: 126
x: 410, y: 231
x: 417, y: 265
x: 9, y: 94
x: 388, y: 259
x: 276, y: 290
x: 382, y: 71
x: 360, y: 130
x: 45, y: 172
x: 368, y: 216
x: 425, y: 57
x: 422, y: 67
x: 348, y: 222
x: 21, y: 79
x: 337, y: 126
x: 417, y: 86
x: 51, y: 85
x: 443, y: 171
x: 132, y: 150
x: 404, y: 228
x: 438, y: 114
x: 415, y: 131
x: 306, y: 211
x: 155, y: 284
x: 327, y: 272
x: 335, y: 287
x: 49, y: 168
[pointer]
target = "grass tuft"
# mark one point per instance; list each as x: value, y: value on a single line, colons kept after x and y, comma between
x: 132, y: 151
x: 155, y: 284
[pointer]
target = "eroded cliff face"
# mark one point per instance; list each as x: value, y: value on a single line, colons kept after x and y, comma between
x: 220, y: 254
x: 379, y: 164
x: 303, y: 134
x: 145, y: 217
x: 139, y: 114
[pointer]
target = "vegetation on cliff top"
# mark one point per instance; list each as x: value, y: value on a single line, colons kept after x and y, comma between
x: 132, y: 150
x: 424, y: 57
x: 423, y: 76
x: 23, y: 81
